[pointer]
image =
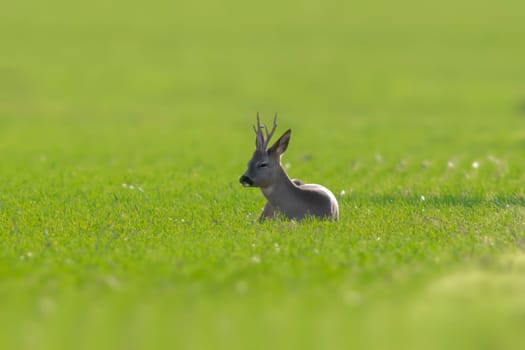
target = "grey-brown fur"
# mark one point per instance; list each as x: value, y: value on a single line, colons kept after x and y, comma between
x: 292, y: 199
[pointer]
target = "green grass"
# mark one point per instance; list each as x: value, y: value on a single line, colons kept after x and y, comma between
x: 124, y: 129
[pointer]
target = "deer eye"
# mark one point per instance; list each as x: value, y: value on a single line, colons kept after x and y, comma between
x: 262, y: 165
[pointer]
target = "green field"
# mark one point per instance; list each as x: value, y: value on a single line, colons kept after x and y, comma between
x: 124, y: 128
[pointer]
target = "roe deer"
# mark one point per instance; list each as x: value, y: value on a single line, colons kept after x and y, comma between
x: 291, y: 198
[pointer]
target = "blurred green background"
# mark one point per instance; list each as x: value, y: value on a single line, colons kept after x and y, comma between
x: 182, y: 68
x: 388, y: 101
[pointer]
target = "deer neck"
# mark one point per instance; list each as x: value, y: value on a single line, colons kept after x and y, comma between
x: 280, y: 192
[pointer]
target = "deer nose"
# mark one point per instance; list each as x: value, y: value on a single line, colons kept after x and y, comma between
x: 246, y: 181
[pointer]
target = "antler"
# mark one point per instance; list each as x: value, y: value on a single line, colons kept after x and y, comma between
x: 261, y: 142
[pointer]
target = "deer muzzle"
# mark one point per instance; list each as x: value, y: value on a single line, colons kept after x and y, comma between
x: 246, y: 181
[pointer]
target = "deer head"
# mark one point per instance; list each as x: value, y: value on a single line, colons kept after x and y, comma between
x: 264, y: 168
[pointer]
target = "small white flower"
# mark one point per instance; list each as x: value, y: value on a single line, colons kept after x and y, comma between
x: 422, y: 198
x: 112, y: 282
x: 351, y: 297
x: 342, y: 193
x: 450, y: 164
x: 46, y: 305
x: 241, y: 287
x: 475, y: 164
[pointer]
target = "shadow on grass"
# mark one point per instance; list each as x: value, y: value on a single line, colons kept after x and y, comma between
x: 437, y: 200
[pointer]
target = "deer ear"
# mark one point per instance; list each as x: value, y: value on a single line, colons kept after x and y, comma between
x: 282, y: 144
